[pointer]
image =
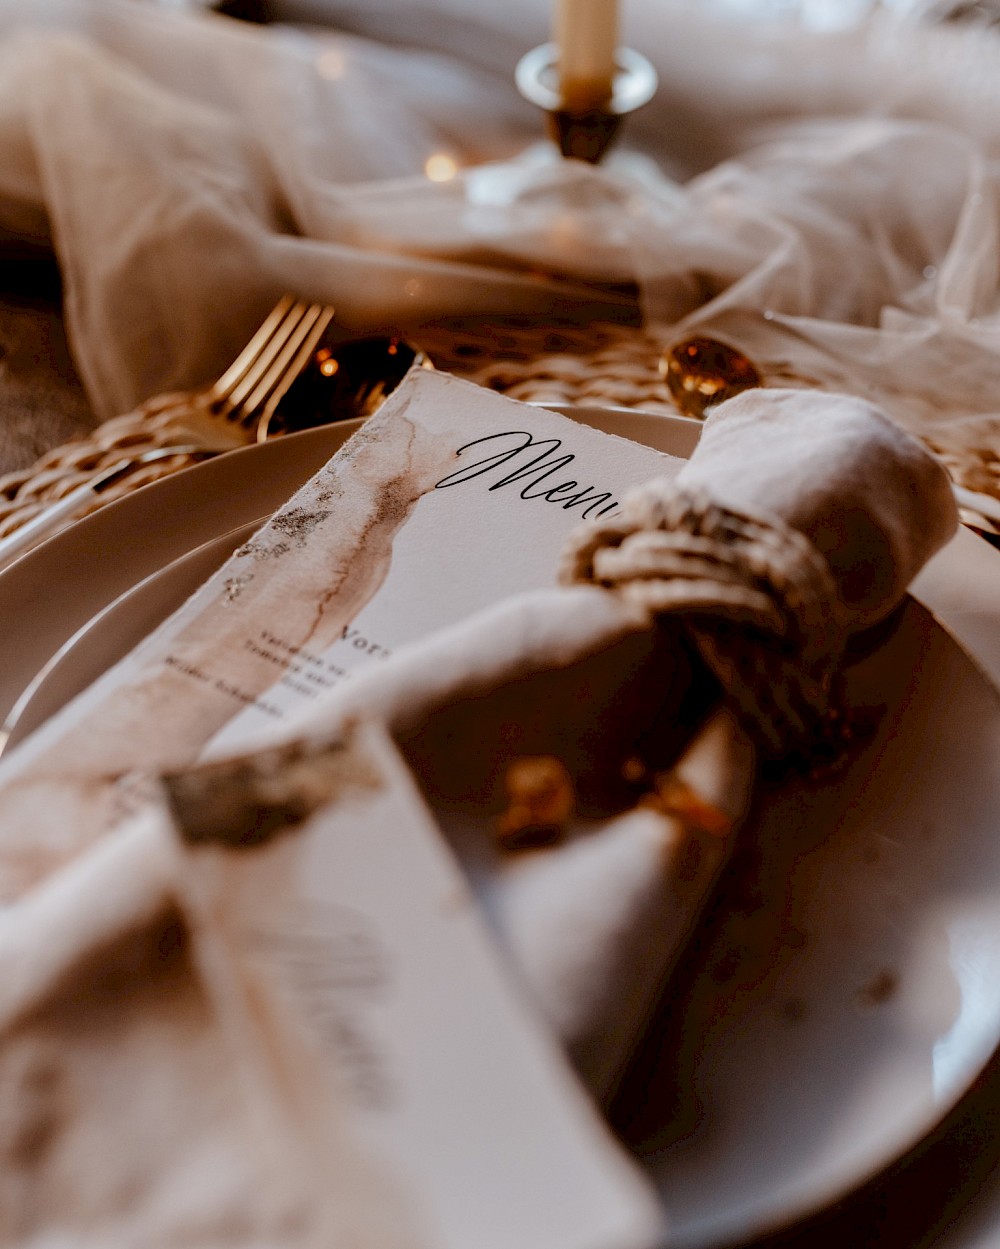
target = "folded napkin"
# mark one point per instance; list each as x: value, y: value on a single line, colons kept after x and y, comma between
x: 799, y: 520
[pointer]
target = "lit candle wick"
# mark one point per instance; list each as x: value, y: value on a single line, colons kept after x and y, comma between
x: 586, y: 33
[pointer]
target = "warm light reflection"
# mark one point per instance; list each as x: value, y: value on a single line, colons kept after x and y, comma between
x: 440, y: 167
x: 331, y: 63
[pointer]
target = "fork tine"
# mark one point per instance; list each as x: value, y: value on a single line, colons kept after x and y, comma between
x: 222, y: 385
x: 280, y: 369
x: 237, y: 399
x: 297, y: 366
x: 236, y: 396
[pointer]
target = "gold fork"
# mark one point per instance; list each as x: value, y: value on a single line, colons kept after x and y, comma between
x: 243, y: 399
x: 235, y: 410
x: 172, y: 431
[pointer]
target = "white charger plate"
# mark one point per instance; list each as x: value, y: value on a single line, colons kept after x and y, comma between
x: 827, y: 1019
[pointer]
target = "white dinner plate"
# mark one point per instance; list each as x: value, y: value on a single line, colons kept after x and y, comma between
x: 844, y: 992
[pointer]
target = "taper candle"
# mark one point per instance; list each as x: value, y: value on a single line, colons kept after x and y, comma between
x: 586, y: 34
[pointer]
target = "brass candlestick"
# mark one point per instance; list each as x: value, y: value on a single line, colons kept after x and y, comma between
x: 584, y: 128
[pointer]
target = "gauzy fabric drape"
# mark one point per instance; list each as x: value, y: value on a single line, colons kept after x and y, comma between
x: 828, y: 202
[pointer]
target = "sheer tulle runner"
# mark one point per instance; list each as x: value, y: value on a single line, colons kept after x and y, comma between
x: 805, y: 198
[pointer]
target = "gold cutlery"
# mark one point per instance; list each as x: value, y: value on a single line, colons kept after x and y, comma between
x: 339, y: 379
x: 250, y: 402
x: 700, y: 372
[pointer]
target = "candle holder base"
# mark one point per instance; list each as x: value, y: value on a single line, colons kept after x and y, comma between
x: 585, y: 133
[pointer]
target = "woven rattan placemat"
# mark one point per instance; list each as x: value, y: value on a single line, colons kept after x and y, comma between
x: 599, y: 364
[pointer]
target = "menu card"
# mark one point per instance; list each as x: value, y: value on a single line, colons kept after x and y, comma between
x: 449, y: 499
x: 348, y: 958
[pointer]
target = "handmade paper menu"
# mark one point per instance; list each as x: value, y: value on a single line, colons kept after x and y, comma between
x: 280, y: 965
x: 448, y: 500
x: 351, y: 943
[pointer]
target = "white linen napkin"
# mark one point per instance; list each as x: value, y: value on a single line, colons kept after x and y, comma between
x: 583, y: 675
